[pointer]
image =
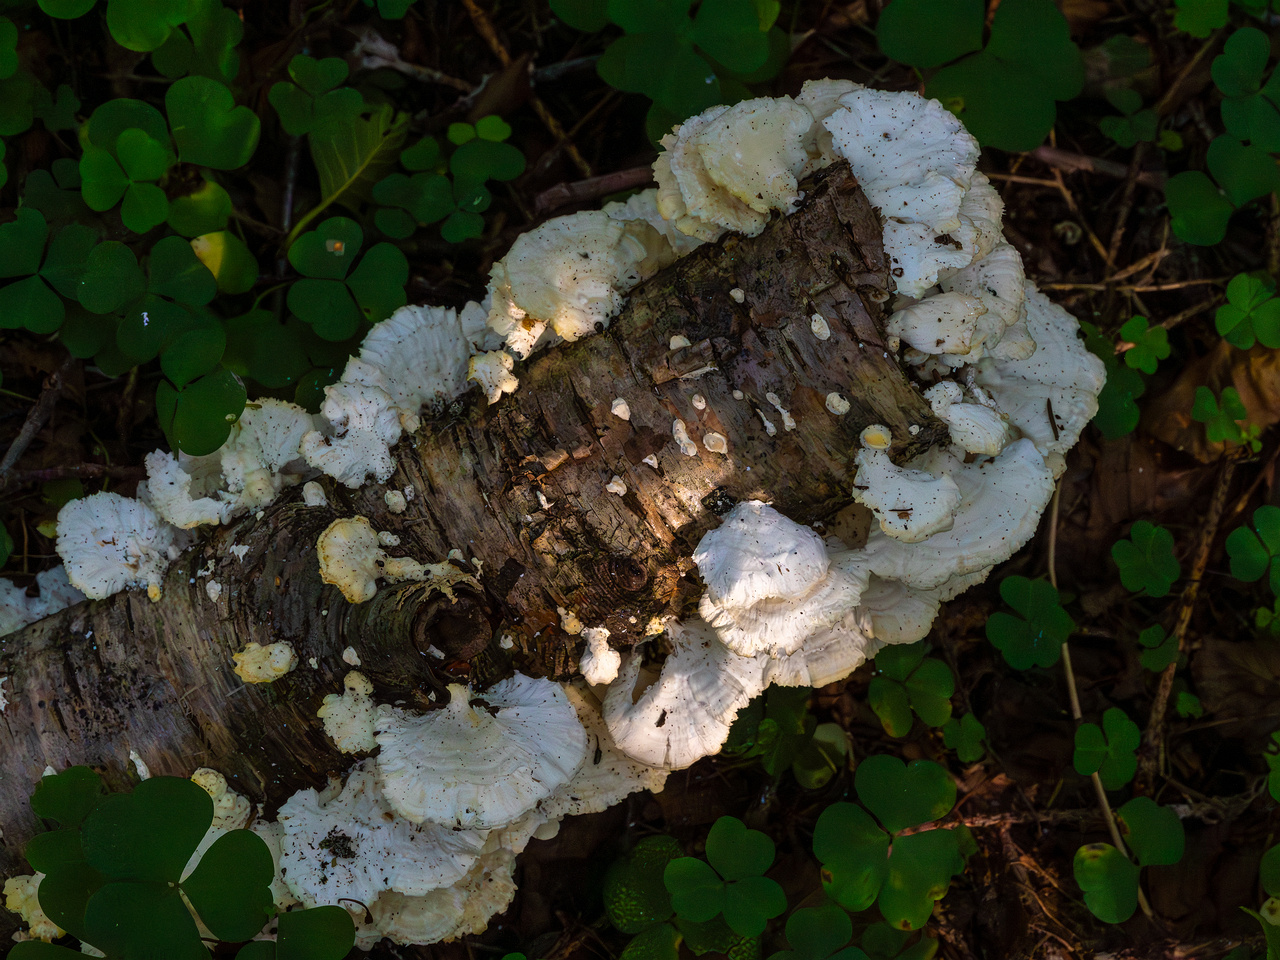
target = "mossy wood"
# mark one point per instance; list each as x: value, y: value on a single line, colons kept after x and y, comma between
x: 98, y: 680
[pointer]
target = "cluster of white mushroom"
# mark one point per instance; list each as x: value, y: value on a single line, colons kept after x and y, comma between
x: 425, y: 833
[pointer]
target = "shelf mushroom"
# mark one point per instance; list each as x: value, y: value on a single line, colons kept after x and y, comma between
x: 474, y: 769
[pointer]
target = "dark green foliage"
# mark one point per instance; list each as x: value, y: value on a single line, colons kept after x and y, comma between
x: 965, y: 737
x: 684, y: 64
x: 1035, y: 638
x: 1221, y: 415
x: 860, y: 867
x: 729, y: 882
x: 1108, y: 878
x: 1159, y: 650
x: 1117, y: 403
x: 114, y: 875
x: 1134, y: 122
x: 905, y: 682
x: 1252, y: 312
x: 1150, y: 345
x: 1108, y: 750
x: 1146, y: 561
x: 1005, y: 91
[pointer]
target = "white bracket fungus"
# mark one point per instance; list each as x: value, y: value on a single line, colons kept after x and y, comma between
x: 17, y: 609
x: 570, y: 274
x: 600, y: 662
x: 354, y: 846
x: 974, y: 427
x: 109, y: 543
x: 492, y: 371
x: 772, y: 584
x: 474, y: 769
x: 348, y: 718
x: 264, y: 664
x: 352, y: 559
x: 681, y: 434
x: 910, y: 504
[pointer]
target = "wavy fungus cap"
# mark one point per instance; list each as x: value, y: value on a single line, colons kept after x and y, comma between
x: 109, y: 542
x: 354, y: 846
x: 685, y: 714
x: 480, y: 767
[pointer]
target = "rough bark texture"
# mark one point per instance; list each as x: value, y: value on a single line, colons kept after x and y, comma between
x: 101, y: 679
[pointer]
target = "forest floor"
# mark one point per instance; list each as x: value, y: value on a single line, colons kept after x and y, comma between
x: 1088, y: 218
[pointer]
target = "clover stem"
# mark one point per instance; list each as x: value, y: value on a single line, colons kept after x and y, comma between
x: 1074, y: 695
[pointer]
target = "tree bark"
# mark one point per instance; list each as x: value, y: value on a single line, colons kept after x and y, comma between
x: 96, y: 681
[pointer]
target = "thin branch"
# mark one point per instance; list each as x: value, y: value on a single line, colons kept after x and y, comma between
x: 38, y: 415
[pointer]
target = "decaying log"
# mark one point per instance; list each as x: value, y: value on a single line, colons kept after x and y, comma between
x: 520, y: 489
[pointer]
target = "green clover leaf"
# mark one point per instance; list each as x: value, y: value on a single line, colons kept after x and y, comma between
x: 1109, y: 880
x: 67, y: 797
x: 1134, y: 123
x: 1109, y: 750
x: 668, y: 57
x: 904, y: 795
x: 1150, y: 345
x: 144, y: 25
x: 1250, y: 106
x: 204, y: 45
x: 1146, y: 560
x: 1221, y: 415
x: 208, y: 128
x: 205, y: 210
x: 1253, y: 552
x: 731, y: 884
x: 1005, y: 92
x: 965, y: 737
x: 822, y: 757
x: 1154, y: 833
x: 330, y: 300
x: 1159, y: 650
x: 198, y: 418
x: 907, y: 681
x: 1117, y: 403
x: 1198, y: 210
x: 860, y: 867
x: 314, y: 101
x: 1187, y: 705
x: 1200, y: 17
x: 819, y: 933
x: 1251, y: 312
x: 1036, y: 637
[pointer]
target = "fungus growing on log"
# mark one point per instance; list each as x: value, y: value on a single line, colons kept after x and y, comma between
x: 577, y: 483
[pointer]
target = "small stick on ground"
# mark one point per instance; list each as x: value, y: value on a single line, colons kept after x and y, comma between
x: 37, y: 417
x: 1153, y: 737
x: 581, y: 191
x: 484, y: 26
x: 1126, y: 204
x: 1073, y: 693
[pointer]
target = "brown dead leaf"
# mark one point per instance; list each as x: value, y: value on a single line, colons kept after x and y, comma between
x: 1083, y: 14
x: 1240, y: 684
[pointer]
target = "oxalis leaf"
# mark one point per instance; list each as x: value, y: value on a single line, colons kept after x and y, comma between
x: 1036, y: 637
x: 1108, y: 751
x: 1109, y: 880
x: 1253, y: 549
x: 1146, y: 561
x: 907, y: 682
x: 635, y: 896
x: 1005, y: 92
x: 1251, y: 312
x: 208, y: 127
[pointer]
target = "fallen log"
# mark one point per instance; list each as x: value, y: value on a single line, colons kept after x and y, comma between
x: 560, y: 504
